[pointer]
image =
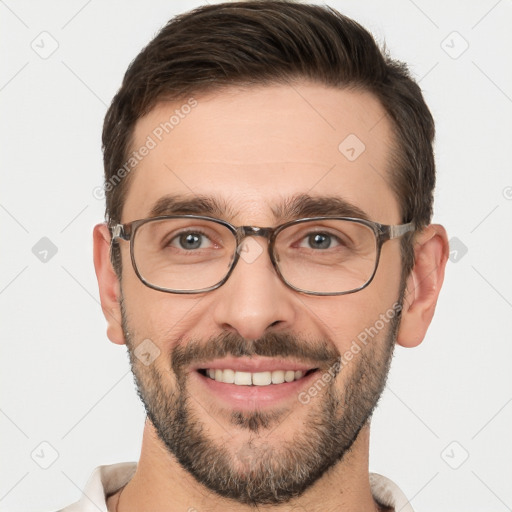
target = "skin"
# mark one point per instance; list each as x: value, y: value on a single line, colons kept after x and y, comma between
x: 253, y: 148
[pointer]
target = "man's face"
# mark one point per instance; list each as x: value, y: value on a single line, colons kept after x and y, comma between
x: 252, y: 152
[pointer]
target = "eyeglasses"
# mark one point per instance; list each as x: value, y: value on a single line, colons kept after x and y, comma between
x: 316, y: 256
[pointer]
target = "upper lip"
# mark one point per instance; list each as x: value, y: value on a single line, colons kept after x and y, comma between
x: 254, y: 364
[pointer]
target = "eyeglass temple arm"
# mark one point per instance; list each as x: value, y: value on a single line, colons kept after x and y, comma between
x: 119, y: 232
x: 391, y: 232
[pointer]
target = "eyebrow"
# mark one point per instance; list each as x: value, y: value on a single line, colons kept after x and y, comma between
x: 196, y: 205
x: 296, y: 207
x: 304, y: 205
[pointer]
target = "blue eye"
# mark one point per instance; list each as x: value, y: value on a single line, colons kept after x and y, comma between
x: 319, y: 241
x: 190, y: 240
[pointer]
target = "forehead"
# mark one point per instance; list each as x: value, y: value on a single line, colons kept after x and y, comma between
x: 255, y: 148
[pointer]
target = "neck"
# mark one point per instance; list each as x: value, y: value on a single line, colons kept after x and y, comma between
x: 160, y: 484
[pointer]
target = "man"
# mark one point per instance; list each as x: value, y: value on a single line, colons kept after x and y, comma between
x: 269, y: 178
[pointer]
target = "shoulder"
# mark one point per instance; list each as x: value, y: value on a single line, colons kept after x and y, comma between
x: 104, y: 480
x: 387, y: 493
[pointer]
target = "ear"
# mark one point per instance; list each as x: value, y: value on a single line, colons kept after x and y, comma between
x: 423, y: 285
x: 108, y: 283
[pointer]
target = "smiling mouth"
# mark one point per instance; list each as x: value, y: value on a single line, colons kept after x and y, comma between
x: 267, y: 378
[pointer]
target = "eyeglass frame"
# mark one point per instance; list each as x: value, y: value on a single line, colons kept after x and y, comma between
x: 382, y: 232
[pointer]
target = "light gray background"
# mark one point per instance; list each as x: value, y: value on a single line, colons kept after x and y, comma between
x: 65, y: 384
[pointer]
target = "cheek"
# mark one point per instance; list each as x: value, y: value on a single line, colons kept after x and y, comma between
x: 162, y: 317
x: 386, y: 282
x: 346, y: 319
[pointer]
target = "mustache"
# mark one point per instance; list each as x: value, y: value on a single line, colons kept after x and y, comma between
x: 319, y: 353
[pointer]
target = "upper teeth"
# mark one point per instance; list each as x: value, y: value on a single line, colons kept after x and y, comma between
x: 256, y: 379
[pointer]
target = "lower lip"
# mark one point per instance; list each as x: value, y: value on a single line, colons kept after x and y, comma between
x: 248, y: 398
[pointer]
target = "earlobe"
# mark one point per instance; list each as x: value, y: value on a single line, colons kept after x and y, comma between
x: 423, y: 284
x: 108, y: 284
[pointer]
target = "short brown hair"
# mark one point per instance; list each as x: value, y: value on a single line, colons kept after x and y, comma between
x: 261, y: 42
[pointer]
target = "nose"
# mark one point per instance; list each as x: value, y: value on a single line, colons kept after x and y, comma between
x: 254, y: 299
